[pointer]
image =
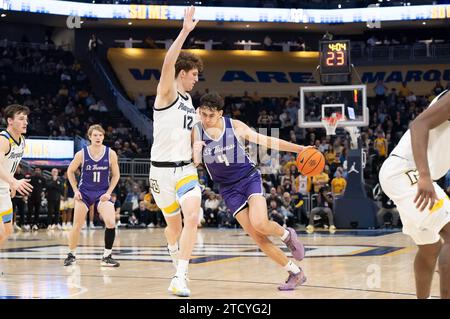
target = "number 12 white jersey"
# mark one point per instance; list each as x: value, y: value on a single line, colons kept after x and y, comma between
x: 172, y: 128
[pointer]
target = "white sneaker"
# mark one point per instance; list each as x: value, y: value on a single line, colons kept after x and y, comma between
x: 179, y: 287
x: 64, y: 226
x: 49, y: 227
x: 58, y: 226
x: 26, y: 227
x: 69, y: 226
x: 53, y: 226
x: 16, y: 227
x: 151, y: 225
x: 35, y: 227
x: 84, y: 226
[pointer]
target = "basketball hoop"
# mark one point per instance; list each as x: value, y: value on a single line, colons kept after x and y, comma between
x: 330, y: 123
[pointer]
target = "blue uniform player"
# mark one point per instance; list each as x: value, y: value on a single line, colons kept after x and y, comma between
x: 217, y: 143
x: 99, y: 176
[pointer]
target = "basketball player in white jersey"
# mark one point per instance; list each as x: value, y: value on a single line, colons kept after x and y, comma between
x: 173, y: 177
x: 12, y: 145
x: 407, y: 177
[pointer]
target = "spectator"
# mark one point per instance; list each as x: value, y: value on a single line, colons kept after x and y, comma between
x: 267, y: 43
x: 275, y: 213
x: 54, y: 192
x: 438, y: 88
x: 155, y: 214
x: 117, y: 206
x: 143, y: 216
x: 133, y: 197
x: 93, y: 44
x: 319, y: 181
x: 211, y: 209
x: 338, y: 184
x: 380, y: 91
x: 388, y: 214
x: 273, y: 196
x: 288, y: 209
x: 19, y: 202
x: 324, y: 208
x: 404, y: 90
x: 35, y: 198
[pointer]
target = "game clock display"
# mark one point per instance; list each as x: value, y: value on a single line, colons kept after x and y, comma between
x: 335, y: 57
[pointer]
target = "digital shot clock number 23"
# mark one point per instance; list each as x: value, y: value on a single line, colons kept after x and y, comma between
x: 334, y: 57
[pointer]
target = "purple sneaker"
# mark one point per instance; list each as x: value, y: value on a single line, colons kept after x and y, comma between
x: 294, y: 280
x: 295, y: 246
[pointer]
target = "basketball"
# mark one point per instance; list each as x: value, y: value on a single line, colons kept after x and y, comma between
x: 310, y: 162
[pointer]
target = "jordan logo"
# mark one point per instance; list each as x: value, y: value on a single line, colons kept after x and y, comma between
x: 353, y: 169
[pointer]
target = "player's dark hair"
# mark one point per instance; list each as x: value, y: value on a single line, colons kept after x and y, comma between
x: 212, y: 101
x: 188, y: 61
x: 13, y: 109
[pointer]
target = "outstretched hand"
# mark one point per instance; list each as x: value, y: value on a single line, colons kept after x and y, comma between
x: 189, y: 23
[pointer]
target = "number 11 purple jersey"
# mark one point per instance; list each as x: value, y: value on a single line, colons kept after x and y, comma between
x: 95, y: 174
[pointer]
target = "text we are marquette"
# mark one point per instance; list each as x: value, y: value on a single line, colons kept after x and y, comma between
x: 227, y: 308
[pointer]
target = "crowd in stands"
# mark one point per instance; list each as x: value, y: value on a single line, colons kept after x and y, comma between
x: 51, y: 82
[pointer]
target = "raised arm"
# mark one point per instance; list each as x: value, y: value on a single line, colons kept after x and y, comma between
x: 245, y: 132
x: 167, y: 90
x: 420, y: 131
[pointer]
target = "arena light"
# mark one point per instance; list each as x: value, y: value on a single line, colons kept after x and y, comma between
x: 3, y: 15
x: 130, y: 23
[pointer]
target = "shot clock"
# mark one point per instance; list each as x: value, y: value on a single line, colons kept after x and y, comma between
x: 335, y: 57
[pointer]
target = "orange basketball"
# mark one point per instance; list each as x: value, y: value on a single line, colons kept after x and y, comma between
x: 310, y: 162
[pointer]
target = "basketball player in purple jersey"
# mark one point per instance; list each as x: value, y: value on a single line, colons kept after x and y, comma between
x: 98, y: 165
x: 217, y: 143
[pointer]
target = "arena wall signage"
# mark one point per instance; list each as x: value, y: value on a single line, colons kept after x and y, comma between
x: 268, y: 73
x: 49, y: 152
x: 164, y: 12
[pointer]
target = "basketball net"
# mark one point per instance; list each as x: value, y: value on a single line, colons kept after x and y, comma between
x: 330, y: 123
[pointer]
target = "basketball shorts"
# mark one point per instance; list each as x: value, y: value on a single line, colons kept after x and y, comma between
x: 398, y: 179
x: 170, y: 186
x: 236, y: 195
x: 6, y: 208
x: 91, y: 197
x: 67, y: 204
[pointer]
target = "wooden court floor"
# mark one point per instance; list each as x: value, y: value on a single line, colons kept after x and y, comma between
x: 226, y: 264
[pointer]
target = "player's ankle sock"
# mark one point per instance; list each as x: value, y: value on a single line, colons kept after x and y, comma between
x: 107, y: 252
x: 173, y: 249
x: 182, y: 268
x: 293, y: 268
x: 285, y: 235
